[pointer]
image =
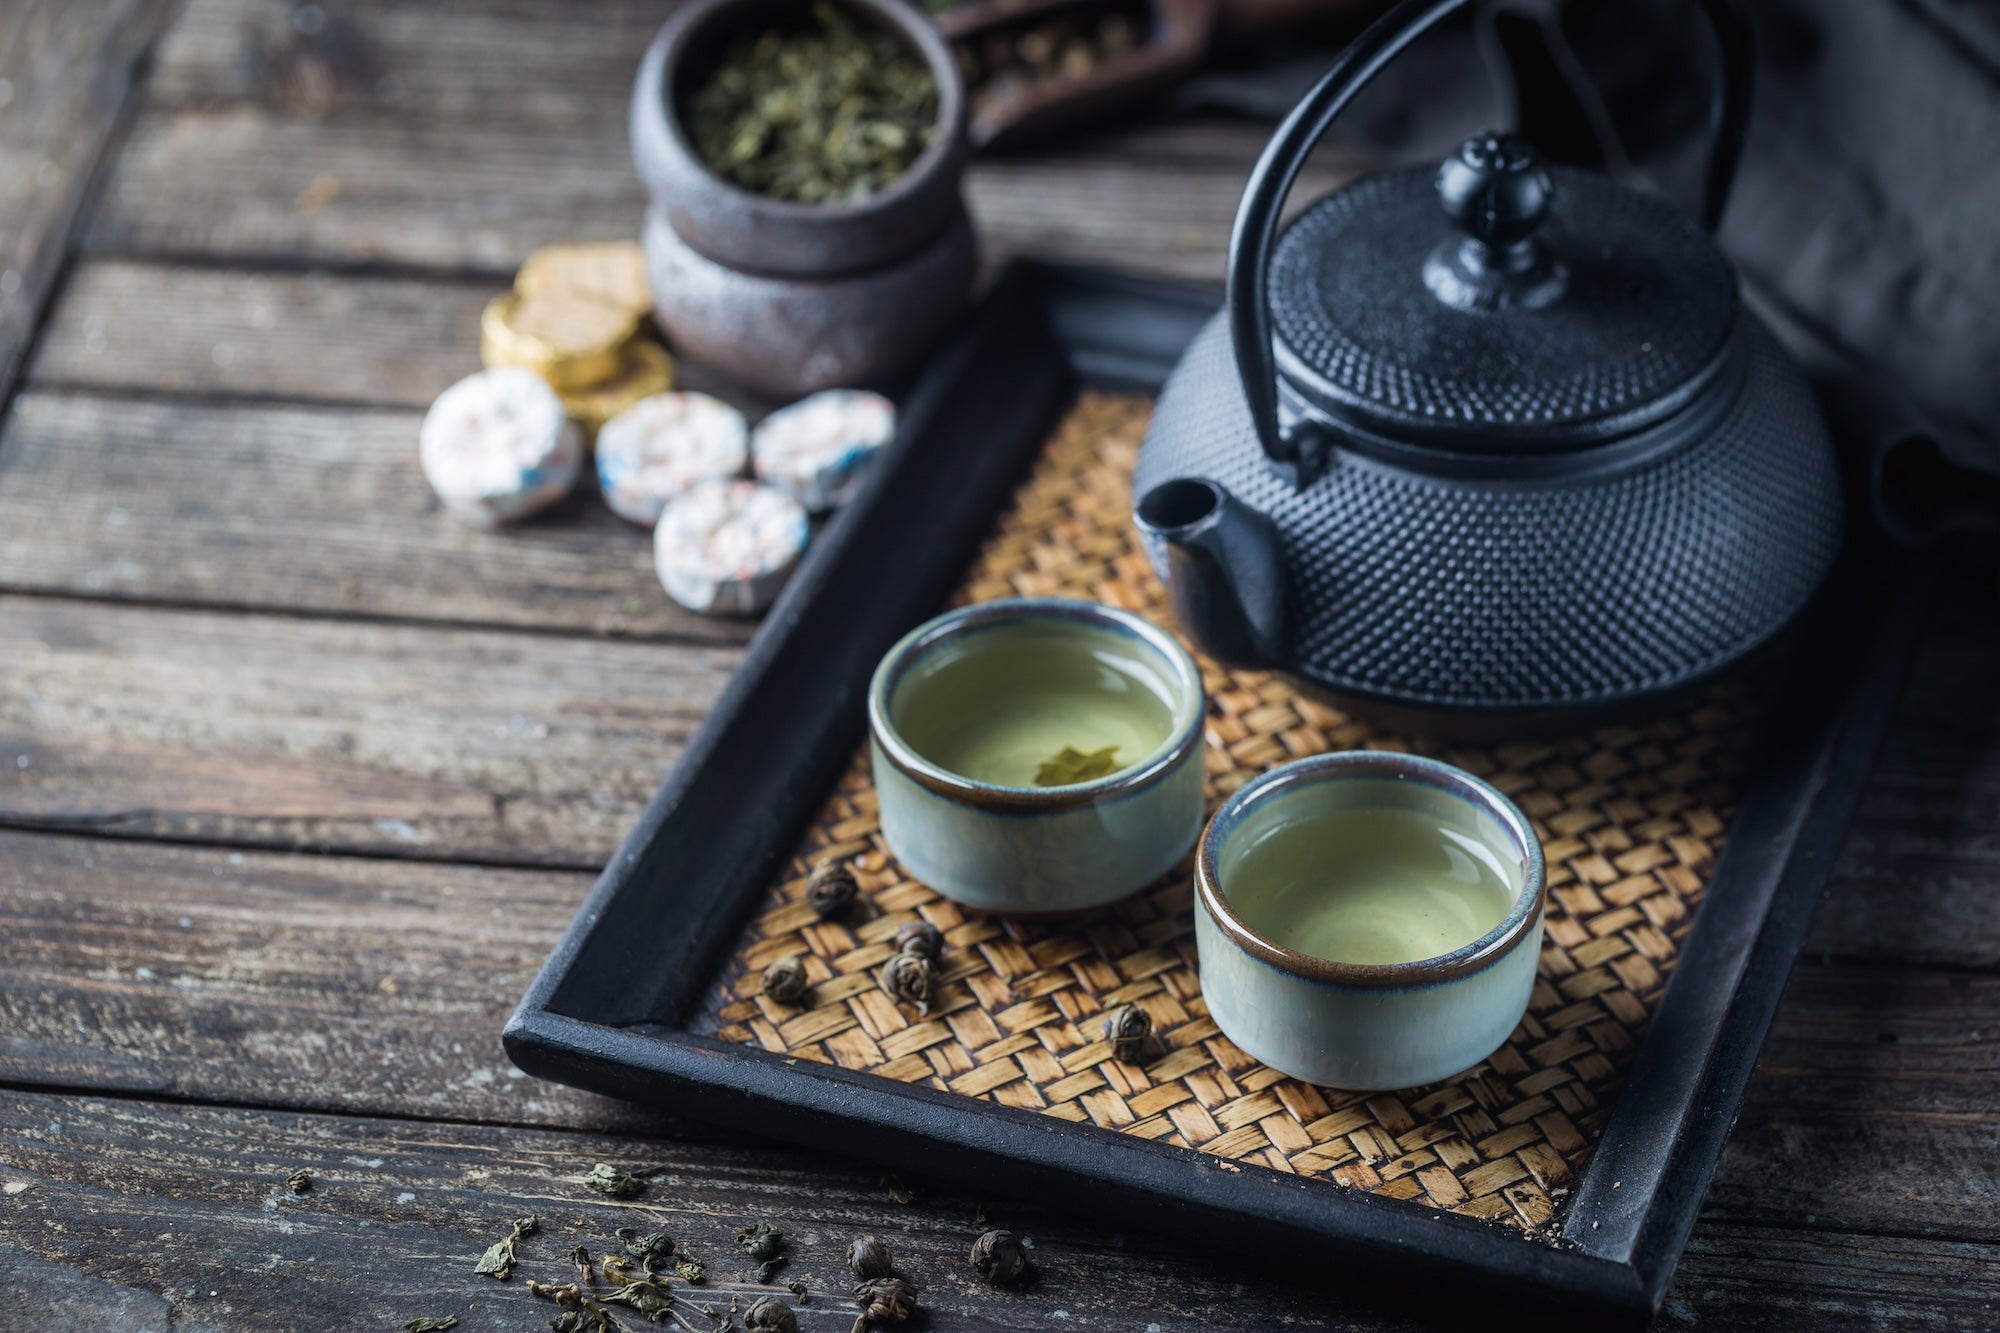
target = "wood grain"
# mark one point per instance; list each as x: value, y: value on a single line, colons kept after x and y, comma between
x: 377, y: 987
x: 301, y: 509
x: 431, y: 743
x: 330, y: 983
x: 66, y: 67
x: 461, y: 136
x: 400, y: 1211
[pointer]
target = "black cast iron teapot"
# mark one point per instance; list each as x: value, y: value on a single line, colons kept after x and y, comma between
x: 1495, y: 439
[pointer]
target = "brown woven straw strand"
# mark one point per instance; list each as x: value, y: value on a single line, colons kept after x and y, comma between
x: 1631, y: 819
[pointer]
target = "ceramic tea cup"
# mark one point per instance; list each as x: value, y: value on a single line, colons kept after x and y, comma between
x: 1037, y: 755
x: 1368, y: 856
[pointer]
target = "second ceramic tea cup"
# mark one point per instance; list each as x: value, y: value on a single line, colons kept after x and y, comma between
x: 972, y: 711
x: 1368, y: 1025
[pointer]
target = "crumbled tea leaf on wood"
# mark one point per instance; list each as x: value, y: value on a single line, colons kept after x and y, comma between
x: 761, y: 1241
x: 898, y: 1191
x: 868, y: 1257
x: 653, y: 1251
x: 999, y: 1257
x: 687, y: 1269
x: 498, y: 1261
x: 800, y: 1290
x: 1071, y: 765
x: 1129, y: 1029
x: 769, y: 1269
x: 299, y: 1181
x: 823, y: 109
x: 649, y: 1297
x: 580, y: 1257
x: 608, y: 1179
x: 771, y: 1315
x: 427, y: 1324
x: 888, y: 1299
x: 568, y: 1295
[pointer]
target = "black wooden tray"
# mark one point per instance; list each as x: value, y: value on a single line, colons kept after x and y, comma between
x: 609, y: 1010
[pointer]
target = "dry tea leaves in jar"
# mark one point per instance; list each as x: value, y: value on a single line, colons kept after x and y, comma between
x: 868, y: 1257
x: 831, y: 889
x: 785, y: 981
x: 999, y: 1257
x: 820, y: 111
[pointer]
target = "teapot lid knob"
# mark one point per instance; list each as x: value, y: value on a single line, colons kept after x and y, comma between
x: 1495, y: 188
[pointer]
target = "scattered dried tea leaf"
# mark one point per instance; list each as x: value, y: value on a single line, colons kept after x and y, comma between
x: 999, y: 1257
x: 761, y: 1241
x: 831, y: 889
x: 868, y: 1257
x: 429, y: 1325
x: 499, y: 1258
x: 920, y: 937
x: 608, y: 1179
x: 568, y: 1295
x: 653, y: 1251
x: 1071, y: 765
x: 580, y: 1257
x: 771, y: 1315
x: 650, y: 1297
x: 785, y: 981
x: 299, y: 1181
x: 687, y: 1269
x: 889, y: 1299
x: 1129, y: 1029
x: 907, y: 978
x: 799, y: 1290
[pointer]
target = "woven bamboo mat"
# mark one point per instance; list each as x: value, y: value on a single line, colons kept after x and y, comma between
x: 1631, y: 820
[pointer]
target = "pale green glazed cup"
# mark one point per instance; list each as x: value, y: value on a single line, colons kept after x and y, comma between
x: 1038, y: 850
x: 1367, y: 1026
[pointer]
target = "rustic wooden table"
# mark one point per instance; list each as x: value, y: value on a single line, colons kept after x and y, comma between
x: 299, y: 780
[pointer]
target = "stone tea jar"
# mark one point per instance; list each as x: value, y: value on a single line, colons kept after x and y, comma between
x: 790, y: 297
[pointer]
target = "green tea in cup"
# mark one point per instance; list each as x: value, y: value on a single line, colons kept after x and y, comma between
x: 1371, y: 884
x: 1037, y: 704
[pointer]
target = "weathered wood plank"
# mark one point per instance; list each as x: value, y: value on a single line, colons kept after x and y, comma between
x: 330, y: 983
x: 461, y: 136
x: 387, y: 342
x: 301, y: 733
x: 370, y: 986
x: 301, y: 509
x: 400, y: 1211
x: 66, y: 67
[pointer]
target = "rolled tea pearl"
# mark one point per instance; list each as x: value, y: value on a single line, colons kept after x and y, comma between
x: 497, y: 447
x: 661, y: 446
x: 817, y: 449
x: 727, y: 547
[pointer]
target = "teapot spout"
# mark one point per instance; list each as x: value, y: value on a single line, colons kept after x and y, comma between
x: 1225, y: 570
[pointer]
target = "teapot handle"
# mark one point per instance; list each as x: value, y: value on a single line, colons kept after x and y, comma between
x: 1255, y: 232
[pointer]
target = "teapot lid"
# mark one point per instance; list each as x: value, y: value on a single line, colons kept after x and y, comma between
x: 1540, y: 309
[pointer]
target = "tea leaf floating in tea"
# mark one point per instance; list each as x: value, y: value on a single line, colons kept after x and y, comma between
x: 823, y: 110
x: 1072, y: 765
x: 498, y: 1260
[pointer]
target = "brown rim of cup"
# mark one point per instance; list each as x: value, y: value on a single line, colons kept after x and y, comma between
x: 1461, y: 962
